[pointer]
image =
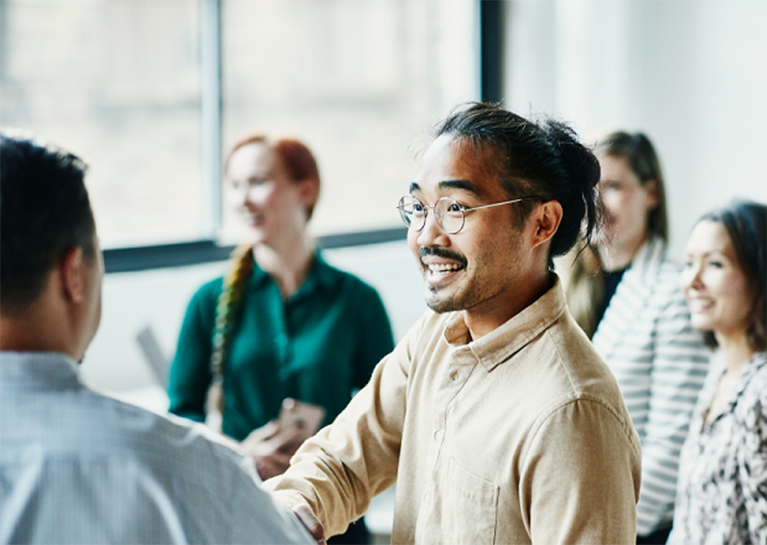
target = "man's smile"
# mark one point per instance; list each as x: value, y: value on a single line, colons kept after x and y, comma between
x: 440, y: 264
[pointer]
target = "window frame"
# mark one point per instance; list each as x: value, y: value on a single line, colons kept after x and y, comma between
x: 207, y: 250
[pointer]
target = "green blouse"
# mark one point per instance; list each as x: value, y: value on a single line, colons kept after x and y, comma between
x: 319, y: 346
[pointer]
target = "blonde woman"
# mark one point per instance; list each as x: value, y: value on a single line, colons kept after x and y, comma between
x: 624, y: 293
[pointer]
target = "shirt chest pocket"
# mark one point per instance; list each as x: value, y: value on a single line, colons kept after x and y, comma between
x: 470, y: 507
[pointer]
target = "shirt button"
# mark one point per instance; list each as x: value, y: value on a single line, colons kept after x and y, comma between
x: 454, y: 375
x: 439, y: 434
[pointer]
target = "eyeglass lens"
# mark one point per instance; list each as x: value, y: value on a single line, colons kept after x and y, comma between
x: 448, y: 213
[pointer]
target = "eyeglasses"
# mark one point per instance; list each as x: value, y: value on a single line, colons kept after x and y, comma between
x: 450, y: 215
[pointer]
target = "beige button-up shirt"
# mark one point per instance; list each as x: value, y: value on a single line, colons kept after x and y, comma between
x: 520, y: 436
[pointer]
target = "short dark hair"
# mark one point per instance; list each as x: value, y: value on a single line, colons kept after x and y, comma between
x: 542, y: 159
x: 44, y: 212
x: 746, y: 225
x: 637, y: 149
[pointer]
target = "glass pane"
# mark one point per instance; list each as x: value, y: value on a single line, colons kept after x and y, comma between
x: 118, y: 83
x: 360, y: 82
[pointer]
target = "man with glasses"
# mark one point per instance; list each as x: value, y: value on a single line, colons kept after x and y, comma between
x: 494, y: 415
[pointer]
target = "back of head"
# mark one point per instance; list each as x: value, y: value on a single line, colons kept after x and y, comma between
x: 44, y: 211
x: 637, y: 149
x: 746, y: 225
x: 545, y: 160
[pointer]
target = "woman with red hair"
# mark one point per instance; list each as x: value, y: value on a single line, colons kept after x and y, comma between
x: 282, y: 323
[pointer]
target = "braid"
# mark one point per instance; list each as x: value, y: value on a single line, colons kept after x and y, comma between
x: 241, y: 268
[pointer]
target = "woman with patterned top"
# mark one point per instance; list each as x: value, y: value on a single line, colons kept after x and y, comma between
x: 282, y: 323
x: 722, y: 494
x: 624, y: 293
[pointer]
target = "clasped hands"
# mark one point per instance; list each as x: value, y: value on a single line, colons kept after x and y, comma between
x: 272, y: 446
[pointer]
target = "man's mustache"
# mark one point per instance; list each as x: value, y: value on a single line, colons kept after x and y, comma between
x: 442, y: 252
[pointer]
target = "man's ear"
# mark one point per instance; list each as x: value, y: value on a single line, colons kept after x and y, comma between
x: 72, y: 275
x: 547, y: 218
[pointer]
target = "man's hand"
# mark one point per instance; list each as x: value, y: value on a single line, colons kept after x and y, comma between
x: 312, y: 523
x: 272, y: 447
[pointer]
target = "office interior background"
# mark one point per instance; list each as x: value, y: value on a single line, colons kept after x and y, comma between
x: 152, y: 93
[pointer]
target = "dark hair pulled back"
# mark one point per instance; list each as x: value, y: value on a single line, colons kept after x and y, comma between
x: 542, y: 159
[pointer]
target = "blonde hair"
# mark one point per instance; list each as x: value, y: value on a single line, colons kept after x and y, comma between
x: 229, y: 303
x: 582, y: 268
x: 584, y: 281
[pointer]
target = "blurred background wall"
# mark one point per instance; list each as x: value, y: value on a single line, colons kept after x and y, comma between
x: 691, y: 74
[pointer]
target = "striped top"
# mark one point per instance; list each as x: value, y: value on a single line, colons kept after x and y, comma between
x: 660, y: 364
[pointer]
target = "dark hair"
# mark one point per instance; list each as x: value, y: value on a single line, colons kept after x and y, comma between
x: 298, y: 160
x: 746, y: 225
x: 44, y: 212
x: 644, y: 163
x: 545, y: 160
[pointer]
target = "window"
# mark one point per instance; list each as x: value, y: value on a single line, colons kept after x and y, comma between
x: 134, y: 87
x: 118, y: 83
x: 360, y: 82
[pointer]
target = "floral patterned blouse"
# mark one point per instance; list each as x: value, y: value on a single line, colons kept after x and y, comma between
x: 722, y: 488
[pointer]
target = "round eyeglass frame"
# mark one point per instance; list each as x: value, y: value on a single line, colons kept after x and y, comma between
x: 444, y: 203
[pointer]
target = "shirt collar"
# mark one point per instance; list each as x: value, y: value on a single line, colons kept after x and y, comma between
x: 499, y: 345
x: 748, y: 372
x: 320, y: 276
x: 39, y: 369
